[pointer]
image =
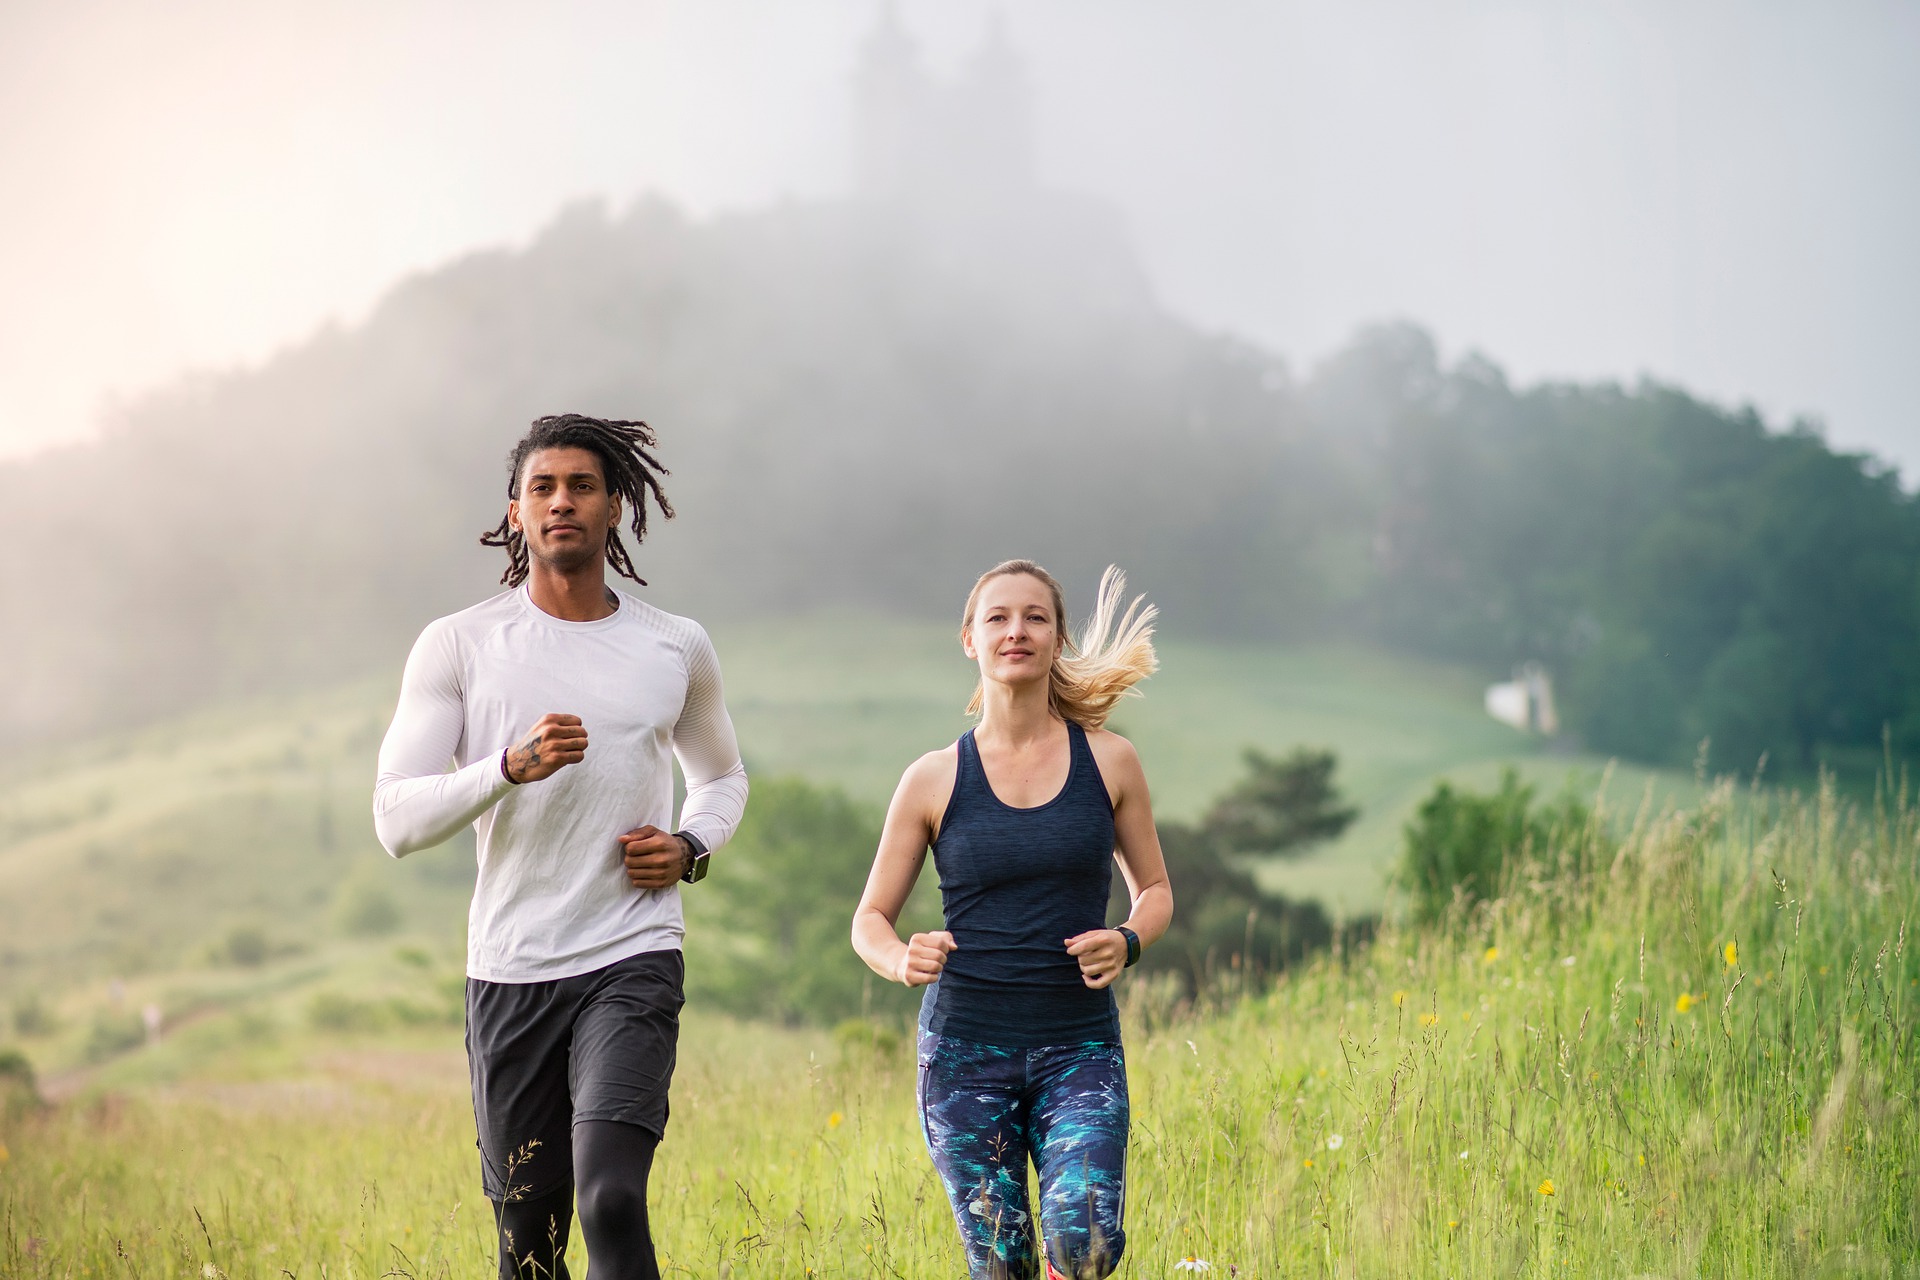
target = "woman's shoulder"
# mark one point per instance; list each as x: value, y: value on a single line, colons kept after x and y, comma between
x: 1105, y: 744
x: 931, y: 776
x: 1115, y: 755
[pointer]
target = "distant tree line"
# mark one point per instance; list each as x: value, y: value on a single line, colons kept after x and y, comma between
x: 861, y: 412
x: 1688, y: 573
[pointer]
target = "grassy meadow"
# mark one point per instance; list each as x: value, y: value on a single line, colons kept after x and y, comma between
x: 1693, y: 1061
x: 140, y: 854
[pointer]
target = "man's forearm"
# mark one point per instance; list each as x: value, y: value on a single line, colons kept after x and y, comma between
x: 714, y: 807
x: 410, y: 814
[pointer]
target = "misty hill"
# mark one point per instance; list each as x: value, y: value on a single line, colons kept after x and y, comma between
x: 865, y: 407
x: 855, y: 408
x: 867, y: 401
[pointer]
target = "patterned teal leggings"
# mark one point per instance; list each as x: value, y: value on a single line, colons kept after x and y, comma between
x: 986, y: 1110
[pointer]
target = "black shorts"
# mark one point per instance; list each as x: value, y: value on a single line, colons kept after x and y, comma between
x: 544, y: 1055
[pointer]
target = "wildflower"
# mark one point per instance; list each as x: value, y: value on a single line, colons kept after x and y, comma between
x: 5, y: 1155
x: 1546, y: 1188
x: 1732, y: 953
x: 833, y: 1121
x: 1308, y: 1162
x: 1465, y: 1155
x: 1191, y: 1263
x: 1335, y: 1142
x: 1685, y: 1002
x: 1399, y: 998
x: 1569, y: 962
x: 1428, y: 1019
x: 1493, y: 953
x: 1643, y: 1159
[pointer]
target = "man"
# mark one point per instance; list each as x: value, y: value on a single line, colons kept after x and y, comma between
x: 557, y: 702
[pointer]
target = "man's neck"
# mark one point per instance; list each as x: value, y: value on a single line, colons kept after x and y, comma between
x: 571, y: 597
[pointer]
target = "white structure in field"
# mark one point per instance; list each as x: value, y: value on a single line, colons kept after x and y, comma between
x: 1525, y: 702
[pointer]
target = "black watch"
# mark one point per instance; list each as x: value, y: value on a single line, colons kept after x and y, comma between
x: 1133, y: 945
x: 697, y: 858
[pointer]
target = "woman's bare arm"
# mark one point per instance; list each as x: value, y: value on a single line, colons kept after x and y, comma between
x: 1103, y: 952
x: 910, y: 827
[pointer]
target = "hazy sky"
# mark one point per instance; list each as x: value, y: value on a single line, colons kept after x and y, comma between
x: 1722, y: 193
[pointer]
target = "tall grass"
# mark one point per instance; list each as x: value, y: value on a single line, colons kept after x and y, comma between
x: 1693, y: 1060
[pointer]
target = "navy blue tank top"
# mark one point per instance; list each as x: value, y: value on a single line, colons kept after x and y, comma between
x: 1015, y: 884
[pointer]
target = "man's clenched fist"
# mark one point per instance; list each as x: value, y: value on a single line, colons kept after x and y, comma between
x: 554, y: 742
x: 654, y: 858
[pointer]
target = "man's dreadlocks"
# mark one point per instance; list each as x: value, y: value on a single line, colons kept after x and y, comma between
x: 630, y: 468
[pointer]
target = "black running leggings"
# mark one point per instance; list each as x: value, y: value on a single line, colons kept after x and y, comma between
x: 611, y: 1162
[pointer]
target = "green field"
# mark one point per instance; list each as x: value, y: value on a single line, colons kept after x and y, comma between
x: 1695, y: 1062
x: 136, y: 857
x: 141, y: 852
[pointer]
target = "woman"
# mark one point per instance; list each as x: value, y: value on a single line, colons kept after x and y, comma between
x: 1019, y: 1039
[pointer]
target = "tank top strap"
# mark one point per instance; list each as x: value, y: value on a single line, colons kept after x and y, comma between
x: 1077, y: 747
x: 1086, y: 768
x: 969, y: 780
x: 971, y: 771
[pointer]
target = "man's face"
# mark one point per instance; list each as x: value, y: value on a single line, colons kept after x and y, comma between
x: 564, y: 509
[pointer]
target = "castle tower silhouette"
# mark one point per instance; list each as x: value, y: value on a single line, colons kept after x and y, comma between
x: 916, y: 139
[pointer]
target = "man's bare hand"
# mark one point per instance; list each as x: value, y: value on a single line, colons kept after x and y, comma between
x: 554, y: 742
x: 654, y: 858
x: 925, y: 957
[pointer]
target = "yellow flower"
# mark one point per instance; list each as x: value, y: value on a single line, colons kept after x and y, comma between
x: 833, y: 1121
x: 1399, y: 998
x: 1643, y: 1159
x: 5, y: 1155
x: 1428, y: 1019
x: 1493, y: 953
x: 1308, y: 1162
x: 1732, y: 953
x: 1685, y: 1002
x: 1546, y: 1188
x: 1452, y: 1223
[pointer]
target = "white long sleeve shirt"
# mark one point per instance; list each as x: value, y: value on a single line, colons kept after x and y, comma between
x: 553, y: 899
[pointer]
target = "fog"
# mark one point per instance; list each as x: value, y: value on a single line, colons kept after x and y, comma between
x: 1719, y: 195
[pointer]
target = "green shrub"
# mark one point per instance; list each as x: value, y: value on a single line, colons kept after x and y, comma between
x: 114, y: 1033
x: 1224, y: 923
x: 769, y: 934
x: 1460, y: 845
x: 417, y: 957
x: 245, y: 946
x: 367, y: 911
x: 864, y: 1038
x: 19, y: 1093
x: 31, y: 1017
x: 337, y: 1011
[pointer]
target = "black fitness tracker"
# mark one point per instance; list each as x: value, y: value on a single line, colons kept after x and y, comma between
x: 697, y: 864
x: 1133, y: 945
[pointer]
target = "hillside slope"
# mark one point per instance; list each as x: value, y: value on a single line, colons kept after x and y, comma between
x: 143, y: 852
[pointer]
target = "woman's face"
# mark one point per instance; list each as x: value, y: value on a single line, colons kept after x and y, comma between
x: 1014, y: 635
